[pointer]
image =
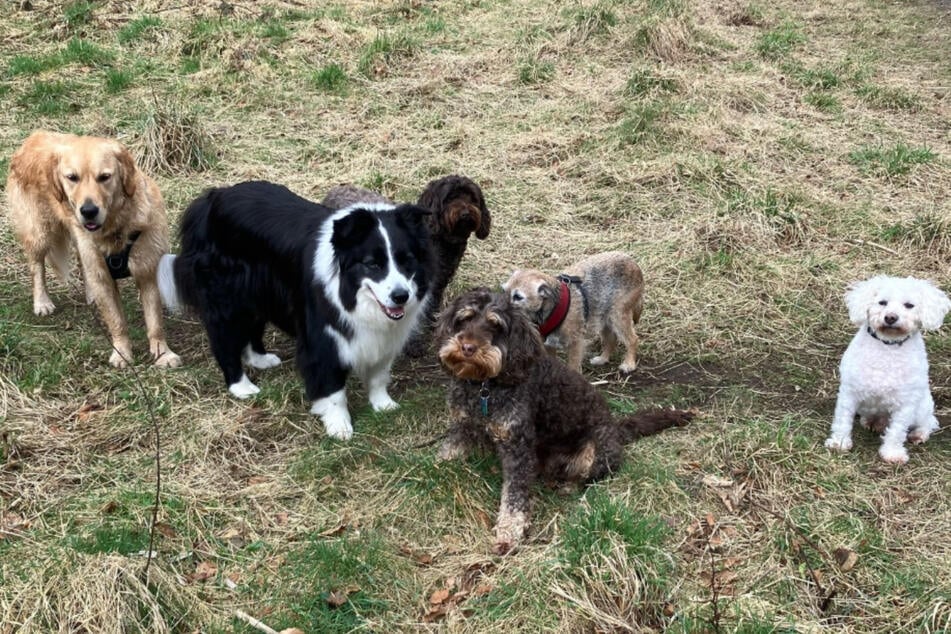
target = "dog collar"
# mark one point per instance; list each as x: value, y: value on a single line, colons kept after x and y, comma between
x: 118, y: 263
x: 558, y: 314
x: 898, y: 342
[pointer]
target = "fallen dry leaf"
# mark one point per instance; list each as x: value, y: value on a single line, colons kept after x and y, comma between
x: 339, y: 596
x: 166, y: 530
x: 281, y: 518
x: 845, y: 558
x: 439, y: 596
x: 87, y: 410
x: 203, y: 571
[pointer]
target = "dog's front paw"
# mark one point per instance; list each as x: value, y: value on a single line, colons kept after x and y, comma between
x: 839, y: 444
x: 168, y: 359
x: 261, y: 361
x: 120, y: 358
x: 893, y: 455
x: 43, y: 306
x: 337, y: 425
x: 382, y: 402
x: 244, y: 388
x: 598, y: 360
x: 451, y: 450
x: 627, y: 368
x: 509, y: 530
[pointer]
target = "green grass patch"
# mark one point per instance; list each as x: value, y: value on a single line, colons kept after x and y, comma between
x: 823, y: 101
x: 813, y: 78
x: 80, y: 51
x: 886, y: 98
x: 892, y: 161
x: 590, y: 21
x: 361, y: 568
x: 138, y: 29
x: 644, y: 81
x: 118, y: 80
x: 384, y: 50
x: 532, y: 70
x: 639, y: 122
x: 331, y: 78
x: 780, y: 41
x: 77, y: 14
x: 926, y: 231
x: 32, y: 65
x: 275, y: 31
x: 51, y: 98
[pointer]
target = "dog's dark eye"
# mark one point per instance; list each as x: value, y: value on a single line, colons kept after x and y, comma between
x: 884, y: 302
x: 909, y: 305
x: 405, y: 259
x: 102, y: 178
x: 371, y: 264
x: 72, y: 178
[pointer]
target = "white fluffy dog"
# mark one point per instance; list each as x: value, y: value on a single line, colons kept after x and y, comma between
x: 884, y: 371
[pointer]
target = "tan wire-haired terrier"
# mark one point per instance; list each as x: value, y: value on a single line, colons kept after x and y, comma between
x: 600, y: 296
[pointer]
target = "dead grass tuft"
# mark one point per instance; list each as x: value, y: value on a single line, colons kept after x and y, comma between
x: 174, y: 140
x: 99, y: 593
x: 666, y: 39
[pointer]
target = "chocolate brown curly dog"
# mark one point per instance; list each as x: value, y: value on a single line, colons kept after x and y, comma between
x: 540, y: 416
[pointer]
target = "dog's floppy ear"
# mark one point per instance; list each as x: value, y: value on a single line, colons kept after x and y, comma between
x: 934, y: 305
x: 486, y: 221
x: 546, y: 291
x: 127, y: 171
x: 352, y: 229
x: 524, y: 343
x: 858, y: 298
x: 414, y: 215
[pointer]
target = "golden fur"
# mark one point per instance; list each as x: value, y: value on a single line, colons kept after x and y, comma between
x: 57, y: 178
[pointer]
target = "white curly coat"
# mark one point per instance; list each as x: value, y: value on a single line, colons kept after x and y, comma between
x: 884, y: 371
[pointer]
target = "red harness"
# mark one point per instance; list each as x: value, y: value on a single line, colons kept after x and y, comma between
x: 558, y: 315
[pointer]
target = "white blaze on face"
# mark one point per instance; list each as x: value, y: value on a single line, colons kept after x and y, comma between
x: 394, y: 291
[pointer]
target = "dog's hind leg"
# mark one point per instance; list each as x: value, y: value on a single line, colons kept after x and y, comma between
x: 255, y: 354
x: 926, y: 422
x: 227, y: 339
x: 608, y: 346
x: 622, y: 323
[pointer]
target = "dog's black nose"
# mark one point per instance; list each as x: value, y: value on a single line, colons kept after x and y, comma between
x: 399, y: 296
x: 890, y: 319
x: 89, y: 211
x: 468, y: 349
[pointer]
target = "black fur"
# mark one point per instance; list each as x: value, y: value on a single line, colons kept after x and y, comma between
x: 247, y: 259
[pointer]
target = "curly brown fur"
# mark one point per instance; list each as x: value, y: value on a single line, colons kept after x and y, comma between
x: 458, y: 211
x: 345, y: 195
x: 611, y: 286
x: 541, y: 417
x: 87, y: 193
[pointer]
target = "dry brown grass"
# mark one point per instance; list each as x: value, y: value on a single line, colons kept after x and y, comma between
x: 737, y: 197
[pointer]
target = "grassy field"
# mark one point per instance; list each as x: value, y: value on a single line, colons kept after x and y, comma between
x: 754, y: 157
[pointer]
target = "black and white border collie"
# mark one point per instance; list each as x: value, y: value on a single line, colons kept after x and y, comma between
x: 350, y: 285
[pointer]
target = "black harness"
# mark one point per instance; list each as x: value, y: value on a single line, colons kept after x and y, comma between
x: 572, y: 279
x: 118, y: 263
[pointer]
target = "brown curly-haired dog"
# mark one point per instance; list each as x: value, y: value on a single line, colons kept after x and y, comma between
x: 459, y: 210
x: 540, y: 416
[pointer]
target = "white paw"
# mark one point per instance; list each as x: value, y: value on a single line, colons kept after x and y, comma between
x: 598, y: 360
x: 839, y: 444
x: 334, y: 415
x: 893, y: 455
x: 120, y: 359
x: 244, y: 388
x: 628, y: 367
x: 43, y: 307
x: 382, y: 402
x: 260, y: 361
x: 918, y: 436
x: 337, y: 424
x: 450, y: 451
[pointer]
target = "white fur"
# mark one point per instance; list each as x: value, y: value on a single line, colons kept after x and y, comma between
x: 259, y: 361
x: 377, y: 339
x: 244, y: 387
x: 166, y: 283
x: 886, y: 375
x: 333, y: 413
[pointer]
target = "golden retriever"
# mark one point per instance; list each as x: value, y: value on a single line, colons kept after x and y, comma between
x: 88, y: 191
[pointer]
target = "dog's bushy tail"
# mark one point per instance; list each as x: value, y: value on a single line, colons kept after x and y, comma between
x: 653, y: 421
x: 168, y: 289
